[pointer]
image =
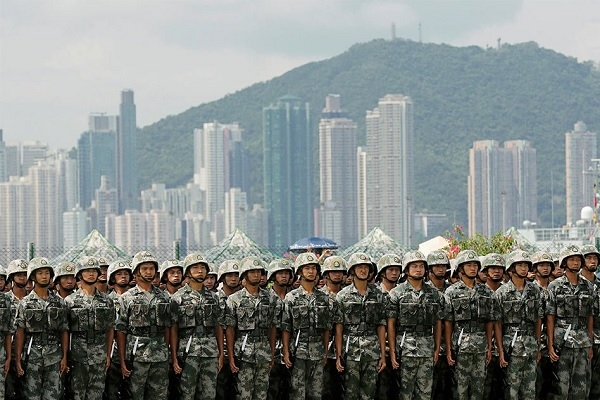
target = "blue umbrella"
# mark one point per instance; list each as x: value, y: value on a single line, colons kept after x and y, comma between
x: 313, y: 243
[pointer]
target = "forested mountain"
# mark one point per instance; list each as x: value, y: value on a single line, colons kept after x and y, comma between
x: 460, y: 94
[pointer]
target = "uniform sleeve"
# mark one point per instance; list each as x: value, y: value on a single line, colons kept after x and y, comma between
x: 448, y: 312
x: 174, y: 306
x: 230, y: 312
x: 338, y: 310
x: 63, y: 323
x: 286, y: 315
x: 7, y: 324
x: 20, y: 316
x: 122, y: 321
x: 391, y: 306
x: 550, y: 303
x: 496, y: 309
x: 383, y: 300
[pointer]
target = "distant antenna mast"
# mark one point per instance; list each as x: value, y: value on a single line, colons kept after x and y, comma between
x: 420, y: 34
x: 393, y: 31
x: 499, y: 41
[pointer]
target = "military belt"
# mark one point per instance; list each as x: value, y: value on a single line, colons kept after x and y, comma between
x: 147, y: 331
x: 42, y: 338
x: 527, y: 329
x: 427, y: 330
x: 575, y: 322
x: 471, y: 326
x: 255, y: 333
x: 90, y: 337
x: 198, y: 331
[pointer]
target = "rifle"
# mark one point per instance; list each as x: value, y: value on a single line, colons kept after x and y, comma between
x: 125, y: 384
x: 557, y: 350
x: 175, y: 391
x: 508, y: 356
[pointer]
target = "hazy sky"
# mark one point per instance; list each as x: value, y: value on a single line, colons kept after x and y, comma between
x: 60, y: 60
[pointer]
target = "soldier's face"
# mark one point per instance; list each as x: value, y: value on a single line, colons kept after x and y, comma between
x: 146, y: 271
x: 544, y: 269
x: 309, y: 272
x: 573, y: 263
x: 198, y: 272
x: 253, y: 277
x: 282, y: 278
x: 439, y: 271
x: 336, y: 277
x: 392, y: 273
x: 2, y: 283
x: 495, y: 273
x: 232, y: 280
x: 361, y: 271
x: 416, y: 270
x: 89, y: 276
x: 121, y: 278
x: 67, y: 282
x: 210, y: 281
x: 20, y: 279
x: 174, y: 276
x: 591, y: 262
x: 103, y: 271
x: 521, y: 269
x: 470, y: 269
x: 42, y: 277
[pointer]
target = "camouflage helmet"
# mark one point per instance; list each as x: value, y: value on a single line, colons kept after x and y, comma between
x: 334, y: 263
x: 360, y: 258
x: 389, y: 260
x: 102, y: 262
x: 251, y: 263
x: 555, y: 258
x: 567, y: 252
x: 280, y: 264
x: 413, y: 256
x: 492, y: 260
x: 307, y: 258
x: 143, y: 257
x: 118, y: 266
x: 589, y: 249
x: 2, y: 271
x: 518, y: 256
x: 64, y: 268
x: 38, y: 263
x: 540, y: 257
x: 212, y: 270
x: 228, y: 267
x: 453, y: 268
x: 16, y: 266
x: 87, y: 263
x: 466, y: 256
x: 193, y: 259
x: 167, y: 265
x: 438, y: 257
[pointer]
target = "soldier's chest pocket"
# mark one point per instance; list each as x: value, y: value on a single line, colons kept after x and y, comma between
x: 354, y: 312
x: 188, y: 316
x: 408, y: 313
x: 78, y: 319
x: 139, y: 315
x: 56, y: 317
x: 103, y: 317
x: 462, y: 308
x: 586, y: 305
x: 484, y: 307
x: 431, y: 313
x: 567, y: 305
x: 5, y: 320
x: 373, y: 311
x: 34, y: 319
x: 265, y: 315
x: 532, y: 310
x: 512, y: 311
x: 210, y: 311
x: 300, y: 316
x: 321, y: 317
x: 162, y: 313
x: 245, y: 318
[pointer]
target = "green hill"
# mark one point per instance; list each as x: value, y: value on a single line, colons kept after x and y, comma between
x: 460, y: 94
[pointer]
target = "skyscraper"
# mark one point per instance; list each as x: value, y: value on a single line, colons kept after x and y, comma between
x: 288, y: 171
x: 502, y: 191
x: 338, y: 214
x: 390, y: 185
x: 580, y: 149
x: 96, y: 156
x: 127, y: 184
x: 3, y: 174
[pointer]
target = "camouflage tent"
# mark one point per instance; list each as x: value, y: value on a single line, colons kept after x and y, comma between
x: 376, y: 244
x: 95, y: 245
x: 237, y: 246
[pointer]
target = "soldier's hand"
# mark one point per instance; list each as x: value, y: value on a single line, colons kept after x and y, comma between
x: 590, y: 353
x: 395, y: 363
x: 234, y: 368
x: 176, y: 367
x: 338, y: 365
x: 381, y: 364
x: 271, y: 363
x: 502, y: 361
x: 436, y: 356
x: 107, y: 365
x: 488, y: 357
x: 221, y: 362
x: 6, y: 367
x: 286, y: 361
x: 539, y: 356
x: 124, y: 371
x: 20, y: 370
x: 64, y: 366
x: 324, y: 362
x: 450, y: 360
x: 553, y: 356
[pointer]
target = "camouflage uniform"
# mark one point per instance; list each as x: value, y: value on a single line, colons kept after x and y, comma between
x: 571, y: 306
x: 518, y: 313
x: 307, y: 318
x: 469, y: 310
x: 595, y: 365
x: 252, y: 317
x: 544, y: 366
x: 6, y: 329
x: 144, y: 316
x: 90, y: 320
x: 415, y: 314
x: 43, y: 322
x: 360, y: 317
